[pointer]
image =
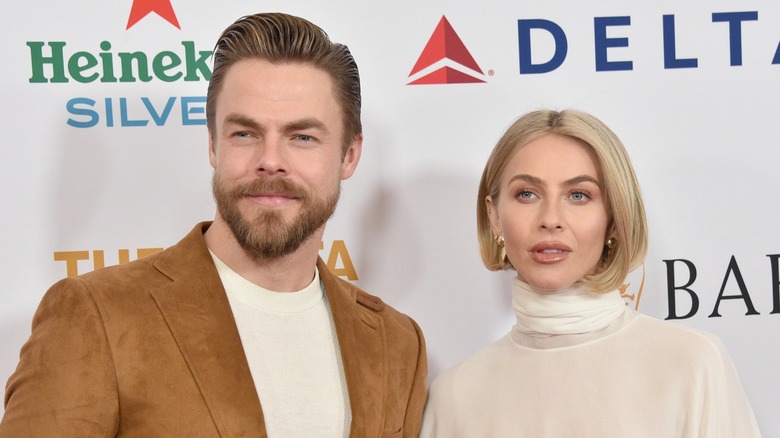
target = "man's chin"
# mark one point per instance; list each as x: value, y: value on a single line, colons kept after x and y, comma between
x: 261, y: 214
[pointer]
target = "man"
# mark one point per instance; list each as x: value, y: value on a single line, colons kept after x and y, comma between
x: 239, y: 329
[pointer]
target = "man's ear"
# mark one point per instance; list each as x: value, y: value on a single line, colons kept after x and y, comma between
x: 352, y: 157
x: 212, y: 151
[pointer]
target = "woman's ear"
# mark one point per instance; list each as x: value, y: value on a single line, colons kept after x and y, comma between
x: 492, y: 212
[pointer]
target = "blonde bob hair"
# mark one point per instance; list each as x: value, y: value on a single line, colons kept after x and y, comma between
x: 627, y: 223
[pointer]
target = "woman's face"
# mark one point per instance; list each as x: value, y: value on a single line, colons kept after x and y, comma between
x: 551, y: 212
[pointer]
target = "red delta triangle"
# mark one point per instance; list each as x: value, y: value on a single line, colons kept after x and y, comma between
x: 446, y: 75
x: 445, y: 43
x: 142, y: 8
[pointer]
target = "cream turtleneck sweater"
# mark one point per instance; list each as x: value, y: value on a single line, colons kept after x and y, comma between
x: 579, y: 364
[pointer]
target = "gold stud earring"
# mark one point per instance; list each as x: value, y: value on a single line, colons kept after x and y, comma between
x: 611, y: 243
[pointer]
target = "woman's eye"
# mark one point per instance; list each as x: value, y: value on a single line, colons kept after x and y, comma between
x: 579, y: 196
x: 525, y: 195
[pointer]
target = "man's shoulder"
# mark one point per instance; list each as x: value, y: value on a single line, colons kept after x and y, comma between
x: 148, y: 271
x: 373, y: 305
x: 129, y: 272
x: 366, y: 300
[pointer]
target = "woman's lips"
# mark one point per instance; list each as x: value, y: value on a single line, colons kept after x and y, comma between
x: 550, y: 252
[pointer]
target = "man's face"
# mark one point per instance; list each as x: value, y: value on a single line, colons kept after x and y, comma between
x: 277, y: 155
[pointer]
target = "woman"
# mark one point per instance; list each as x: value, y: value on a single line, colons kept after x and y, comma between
x: 559, y: 203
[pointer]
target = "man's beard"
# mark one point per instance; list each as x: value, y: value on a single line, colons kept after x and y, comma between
x: 267, y: 235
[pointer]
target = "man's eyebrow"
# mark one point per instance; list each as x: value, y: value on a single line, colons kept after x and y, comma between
x: 295, y: 125
x: 307, y: 123
x: 242, y: 120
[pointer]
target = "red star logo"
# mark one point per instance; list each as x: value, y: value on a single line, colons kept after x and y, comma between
x: 142, y: 8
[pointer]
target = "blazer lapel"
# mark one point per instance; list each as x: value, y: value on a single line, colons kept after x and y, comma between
x: 198, y: 314
x: 363, y: 351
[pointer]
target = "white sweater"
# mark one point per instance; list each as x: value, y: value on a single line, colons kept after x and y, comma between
x: 293, y: 354
x: 567, y: 373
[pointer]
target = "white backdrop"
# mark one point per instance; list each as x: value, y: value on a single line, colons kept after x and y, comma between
x: 696, y: 107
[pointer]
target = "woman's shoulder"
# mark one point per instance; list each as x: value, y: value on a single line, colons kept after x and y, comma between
x: 473, y: 370
x: 668, y: 335
x: 461, y: 395
x: 670, y: 328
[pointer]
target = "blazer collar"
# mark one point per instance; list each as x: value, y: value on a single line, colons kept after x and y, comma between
x: 363, y: 348
x: 197, y: 311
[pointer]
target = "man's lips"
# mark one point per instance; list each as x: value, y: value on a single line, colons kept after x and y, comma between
x: 271, y: 199
x: 550, y: 252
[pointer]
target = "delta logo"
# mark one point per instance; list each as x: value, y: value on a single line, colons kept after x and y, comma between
x: 445, y: 60
x: 56, y: 62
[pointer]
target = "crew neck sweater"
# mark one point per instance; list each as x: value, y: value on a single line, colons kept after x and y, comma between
x: 292, y: 350
x: 579, y: 364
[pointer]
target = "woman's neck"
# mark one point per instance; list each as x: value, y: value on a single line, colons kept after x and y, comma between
x: 572, y: 310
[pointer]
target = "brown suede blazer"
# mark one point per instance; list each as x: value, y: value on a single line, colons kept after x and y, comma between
x: 151, y: 349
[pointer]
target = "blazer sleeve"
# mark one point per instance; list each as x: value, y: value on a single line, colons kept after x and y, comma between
x: 418, y: 394
x: 64, y: 384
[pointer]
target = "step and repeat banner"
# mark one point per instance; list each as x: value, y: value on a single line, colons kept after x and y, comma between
x: 105, y: 150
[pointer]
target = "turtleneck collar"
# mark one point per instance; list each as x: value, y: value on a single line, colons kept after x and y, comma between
x: 573, y: 310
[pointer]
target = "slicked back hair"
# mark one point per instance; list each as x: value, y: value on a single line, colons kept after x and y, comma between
x: 285, y: 39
